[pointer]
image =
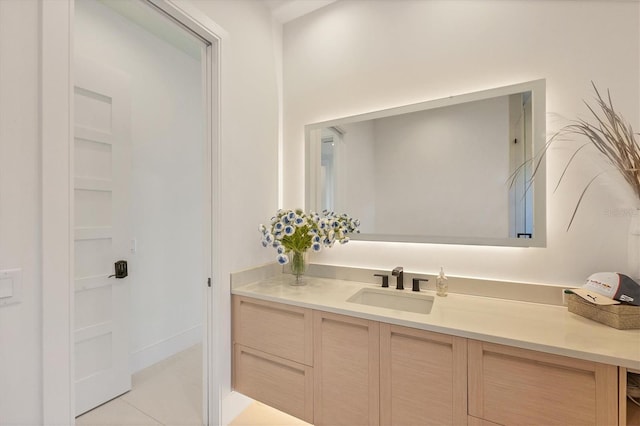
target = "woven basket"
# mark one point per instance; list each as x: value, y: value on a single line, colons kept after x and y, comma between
x: 622, y: 317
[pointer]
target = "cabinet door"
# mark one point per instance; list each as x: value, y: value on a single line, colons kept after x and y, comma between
x: 512, y: 386
x: 422, y: 377
x: 346, y: 370
x: 275, y: 328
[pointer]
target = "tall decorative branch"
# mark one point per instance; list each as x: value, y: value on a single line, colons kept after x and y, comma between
x: 610, y: 134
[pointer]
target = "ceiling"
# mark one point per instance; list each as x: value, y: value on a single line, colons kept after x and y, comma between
x: 284, y: 11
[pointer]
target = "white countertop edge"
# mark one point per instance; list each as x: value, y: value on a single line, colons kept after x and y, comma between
x: 380, y: 314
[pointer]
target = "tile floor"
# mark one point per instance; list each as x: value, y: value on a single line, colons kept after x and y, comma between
x: 167, y: 393
x: 170, y: 393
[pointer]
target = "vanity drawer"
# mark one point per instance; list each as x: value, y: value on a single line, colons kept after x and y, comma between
x: 277, y: 329
x: 280, y: 383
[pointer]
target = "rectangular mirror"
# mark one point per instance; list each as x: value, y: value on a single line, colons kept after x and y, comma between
x: 438, y: 171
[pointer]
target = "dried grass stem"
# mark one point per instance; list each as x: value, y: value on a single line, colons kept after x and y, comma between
x: 610, y: 134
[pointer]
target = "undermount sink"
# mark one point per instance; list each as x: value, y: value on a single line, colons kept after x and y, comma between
x: 399, y: 300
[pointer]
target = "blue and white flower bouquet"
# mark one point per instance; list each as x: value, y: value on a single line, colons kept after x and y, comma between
x: 293, y: 232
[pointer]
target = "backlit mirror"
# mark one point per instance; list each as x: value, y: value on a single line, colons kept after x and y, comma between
x: 437, y: 171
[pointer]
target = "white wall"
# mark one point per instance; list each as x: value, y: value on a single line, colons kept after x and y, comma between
x: 250, y: 123
x: 20, y: 242
x: 167, y: 138
x: 390, y: 53
x: 249, y: 126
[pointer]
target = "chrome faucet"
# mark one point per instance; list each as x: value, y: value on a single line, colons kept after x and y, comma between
x: 397, y: 272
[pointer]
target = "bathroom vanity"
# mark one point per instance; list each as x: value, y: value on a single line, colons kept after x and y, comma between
x: 472, y: 360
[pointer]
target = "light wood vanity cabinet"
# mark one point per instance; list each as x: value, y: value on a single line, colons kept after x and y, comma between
x: 331, y: 369
x: 346, y: 370
x: 273, y: 355
x: 512, y: 386
x: 423, y: 377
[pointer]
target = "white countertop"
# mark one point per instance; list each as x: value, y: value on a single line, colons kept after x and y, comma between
x: 545, y: 328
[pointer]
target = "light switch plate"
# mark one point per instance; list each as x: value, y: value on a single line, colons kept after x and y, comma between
x: 10, y: 286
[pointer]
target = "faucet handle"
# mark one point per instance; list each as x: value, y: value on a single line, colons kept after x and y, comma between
x: 416, y: 283
x: 385, y: 279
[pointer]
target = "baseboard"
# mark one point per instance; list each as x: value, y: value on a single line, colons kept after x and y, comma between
x: 234, y: 404
x: 158, y: 351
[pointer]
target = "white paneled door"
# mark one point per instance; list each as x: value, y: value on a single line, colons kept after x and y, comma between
x: 102, y: 166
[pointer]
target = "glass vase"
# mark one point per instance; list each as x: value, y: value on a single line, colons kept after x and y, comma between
x: 298, y: 264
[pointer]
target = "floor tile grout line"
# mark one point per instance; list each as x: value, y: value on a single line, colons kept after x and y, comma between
x: 143, y: 412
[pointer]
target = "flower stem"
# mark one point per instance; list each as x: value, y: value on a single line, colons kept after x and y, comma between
x: 297, y: 263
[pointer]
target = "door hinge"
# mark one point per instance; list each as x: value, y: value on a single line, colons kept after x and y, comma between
x: 209, y: 282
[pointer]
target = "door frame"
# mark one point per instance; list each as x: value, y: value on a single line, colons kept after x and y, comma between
x: 56, y: 131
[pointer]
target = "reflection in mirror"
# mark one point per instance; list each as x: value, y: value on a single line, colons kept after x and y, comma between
x: 331, y: 142
x: 520, y: 200
x: 437, y: 171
